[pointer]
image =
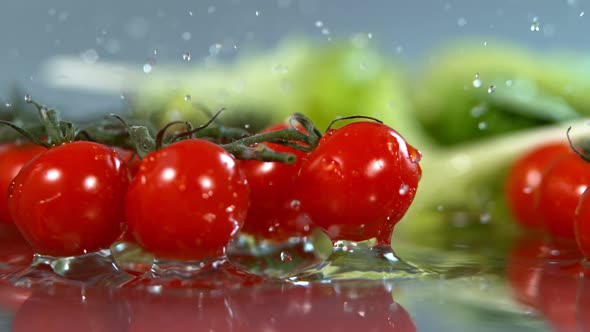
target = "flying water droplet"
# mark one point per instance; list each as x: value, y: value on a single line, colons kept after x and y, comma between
x: 477, y: 83
x: 461, y: 22
x: 28, y: 98
x: 257, y: 13
x: 491, y: 89
x: 581, y: 14
x: 186, y: 36
x: 187, y: 97
x: 485, y: 217
x: 286, y: 257
x: 325, y: 31
x: 190, y: 13
x: 155, y: 51
x: 535, y: 26
x: 147, y: 68
x: 295, y: 204
x: 186, y: 56
x: 482, y: 125
x: 215, y: 49
x: 8, y: 105
x: 509, y: 83
x: 319, y: 24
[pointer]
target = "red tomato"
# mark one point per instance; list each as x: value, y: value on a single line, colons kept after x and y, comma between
x: 359, y: 181
x: 12, y: 158
x: 524, y: 268
x: 275, y: 211
x: 563, y: 184
x: 70, y: 199
x: 524, y: 179
x: 187, y: 201
x: 582, y: 224
x: 131, y: 160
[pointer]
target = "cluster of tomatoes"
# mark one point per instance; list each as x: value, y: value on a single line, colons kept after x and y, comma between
x: 187, y: 200
x: 547, y: 190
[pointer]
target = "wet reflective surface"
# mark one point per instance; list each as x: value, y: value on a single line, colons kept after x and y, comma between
x: 531, y: 286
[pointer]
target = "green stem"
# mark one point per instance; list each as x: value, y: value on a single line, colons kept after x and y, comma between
x: 288, y: 134
x: 260, y: 152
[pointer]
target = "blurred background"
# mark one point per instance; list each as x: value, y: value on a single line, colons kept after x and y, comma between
x: 157, y: 33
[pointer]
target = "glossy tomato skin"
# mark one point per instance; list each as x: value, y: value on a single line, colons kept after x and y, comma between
x: 524, y: 178
x: 70, y: 199
x: 275, y: 210
x: 187, y: 201
x: 13, y: 157
x: 359, y: 181
x: 582, y: 224
x: 563, y: 184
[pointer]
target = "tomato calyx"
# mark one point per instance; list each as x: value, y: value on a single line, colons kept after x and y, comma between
x: 352, y: 117
x: 583, y: 152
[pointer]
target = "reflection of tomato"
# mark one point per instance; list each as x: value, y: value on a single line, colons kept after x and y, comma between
x: 11, y: 297
x: 583, y: 304
x: 321, y: 307
x: 15, y: 252
x: 582, y: 224
x: 72, y: 309
x: 524, y: 179
x: 524, y: 269
x: 558, y: 290
x: 180, y: 311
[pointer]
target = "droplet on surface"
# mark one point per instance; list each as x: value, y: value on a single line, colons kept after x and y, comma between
x: 403, y: 189
x: 286, y: 257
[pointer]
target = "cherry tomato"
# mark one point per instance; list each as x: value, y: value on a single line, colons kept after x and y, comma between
x: 70, y: 199
x: 524, y: 179
x: 13, y: 157
x: 563, y: 184
x: 582, y: 224
x: 131, y: 160
x: 359, y: 181
x: 187, y: 201
x: 524, y: 268
x: 275, y: 210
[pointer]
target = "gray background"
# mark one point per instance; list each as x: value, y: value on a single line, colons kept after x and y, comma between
x: 33, y: 31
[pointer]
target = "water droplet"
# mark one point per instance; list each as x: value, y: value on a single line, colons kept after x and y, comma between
x: 361, y: 313
x: 211, y: 9
x: 8, y: 105
x: 527, y: 190
x: 485, y: 43
x: 190, y: 13
x: 319, y: 24
x: 155, y: 51
x: 280, y: 68
x: 89, y: 56
x: 478, y: 110
x: 399, y: 49
x: 325, y: 31
x: 485, y: 217
x: 535, y: 26
x: 247, y: 126
x: 230, y: 209
x: 482, y: 125
x: 186, y: 56
x: 215, y: 49
x: 461, y: 22
x: 491, y: 89
x: 555, y: 252
x: 403, y: 189
x: 28, y: 98
x: 477, y: 83
x: 147, y: 68
x: 370, y: 35
x: 187, y: 97
x: 286, y: 257
x: 581, y: 14
x: 186, y: 35
x: 257, y: 13
x: 509, y: 83
x: 295, y: 204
